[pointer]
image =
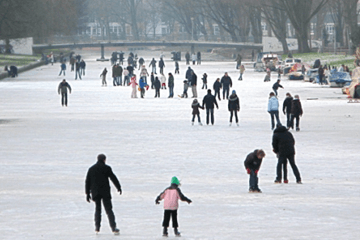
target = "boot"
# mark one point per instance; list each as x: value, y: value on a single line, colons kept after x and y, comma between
x: 177, y: 233
x: 200, y: 123
x: 165, y: 232
x: 116, y: 231
x: 297, y: 129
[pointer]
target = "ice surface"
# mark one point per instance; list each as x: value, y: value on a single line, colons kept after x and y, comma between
x: 46, y: 150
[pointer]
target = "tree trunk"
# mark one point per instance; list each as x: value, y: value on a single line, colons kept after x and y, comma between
x: 134, y: 26
x: 7, y: 46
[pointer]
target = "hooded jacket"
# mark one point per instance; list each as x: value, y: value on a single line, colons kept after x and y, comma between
x: 234, y: 103
x: 283, y: 142
x: 217, y: 86
x: 226, y: 82
x: 287, y: 105
x: 273, y: 104
x: 188, y: 74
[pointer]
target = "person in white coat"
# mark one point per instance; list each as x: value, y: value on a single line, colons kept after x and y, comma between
x: 193, y: 58
x: 163, y: 81
x: 273, y: 109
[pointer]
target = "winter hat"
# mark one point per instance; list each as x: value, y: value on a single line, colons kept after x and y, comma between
x: 233, y: 92
x: 195, y: 101
x: 176, y: 181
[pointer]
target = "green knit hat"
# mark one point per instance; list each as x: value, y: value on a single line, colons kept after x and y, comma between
x: 176, y: 181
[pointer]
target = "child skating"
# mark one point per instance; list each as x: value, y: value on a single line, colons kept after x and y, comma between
x: 204, y: 78
x: 133, y: 84
x: 252, y: 165
x: 195, y: 106
x: 171, y: 196
x: 186, y: 86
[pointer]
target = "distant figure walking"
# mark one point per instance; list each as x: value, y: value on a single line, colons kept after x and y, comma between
x: 62, y: 69
x: 103, y: 77
x: 62, y: 89
x: 273, y: 109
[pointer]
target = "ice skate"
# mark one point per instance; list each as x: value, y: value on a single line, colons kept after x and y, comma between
x: 297, y: 129
x: 192, y: 123
x: 277, y: 181
x: 165, y: 232
x: 200, y: 123
x: 286, y: 181
x: 299, y: 182
x: 237, y: 124
x: 116, y: 231
x: 230, y: 125
x: 177, y: 233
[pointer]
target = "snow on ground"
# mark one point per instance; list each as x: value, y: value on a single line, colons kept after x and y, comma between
x: 46, y: 150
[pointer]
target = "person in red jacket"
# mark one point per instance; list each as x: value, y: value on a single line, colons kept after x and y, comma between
x: 171, y: 196
x: 252, y: 165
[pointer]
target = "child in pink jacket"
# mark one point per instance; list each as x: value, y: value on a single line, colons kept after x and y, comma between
x: 171, y: 196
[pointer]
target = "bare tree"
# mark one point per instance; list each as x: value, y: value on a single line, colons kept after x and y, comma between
x: 300, y: 13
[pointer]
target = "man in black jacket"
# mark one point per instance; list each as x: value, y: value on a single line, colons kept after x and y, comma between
x: 209, y: 101
x: 283, y: 144
x: 217, y: 87
x: 252, y: 165
x: 226, y: 85
x: 63, y: 87
x: 287, y: 109
x: 161, y: 65
x: 97, y: 184
x: 234, y: 107
x: 193, y: 84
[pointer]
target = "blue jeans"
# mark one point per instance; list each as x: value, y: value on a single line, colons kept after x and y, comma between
x: 276, y: 114
x: 171, y: 91
x: 253, y: 181
x: 275, y: 91
x: 77, y: 73
x: 62, y: 71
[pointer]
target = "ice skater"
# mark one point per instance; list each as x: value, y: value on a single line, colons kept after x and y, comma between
x: 226, y: 85
x: 143, y: 85
x: 177, y: 67
x: 157, y: 86
x: 268, y: 75
x: 195, y: 106
x: 62, y: 68
x: 242, y: 70
x: 209, y: 101
x: 217, y: 87
x: 186, y: 87
x: 171, y: 196
x: 234, y: 107
x: 62, y: 89
x: 97, y: 188
x: 204, y: 78
x: 273, y: 110
x: 252, y: 165
x: 163, y: 81
x: 171, y: 85
x: 283, y: 144
x: 276, y: 86
x: 103, y: 77
x: 287, y: 109
x: 296, y: 112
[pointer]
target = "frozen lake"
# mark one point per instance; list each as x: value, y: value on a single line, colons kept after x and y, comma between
x: 47, y: 149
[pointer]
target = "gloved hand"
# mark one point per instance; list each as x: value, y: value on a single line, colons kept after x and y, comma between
x: 256, y: 171
x: 189, y: 201
x: 120, y: 191
x: 157, y: 201
x: 248, y: 170
x: 88, y: 197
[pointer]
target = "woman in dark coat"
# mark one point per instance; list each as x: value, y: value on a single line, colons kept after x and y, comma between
x: 234, y: 106
x: 195, y: 106
x: 296, y: 112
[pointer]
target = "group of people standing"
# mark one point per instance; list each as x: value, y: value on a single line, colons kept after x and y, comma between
x: 194, y: 57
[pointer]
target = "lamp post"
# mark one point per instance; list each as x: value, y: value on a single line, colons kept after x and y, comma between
x: 192, y: 29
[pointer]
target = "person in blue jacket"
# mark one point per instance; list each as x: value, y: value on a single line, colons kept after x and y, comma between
x: 142, y: 85
x: 273, y: 109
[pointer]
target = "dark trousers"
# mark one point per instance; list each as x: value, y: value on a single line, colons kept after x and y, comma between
x: 62, y: 71
x: 210, y: 111
x: 161, y: 70
x: 282, y: 165
x: 272, y: 115
x: 108, y: 208
x: 291, y: 158
x: 234, y: 112
x: 253, y: 180
x: 177, y: 71
x: 226, y: 90
x: 173, y: 215
x: 204, y: 86
x: 288, y: 119
x: 157, y: 92
x: 275, y: 91
x: 194, y: 115
x: 64, y: 98
x: 142, y: 92
x: 297, y: 117
x: 217, y: 92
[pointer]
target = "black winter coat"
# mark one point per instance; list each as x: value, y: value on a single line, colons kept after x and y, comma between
x: 130, y: 69
x: 161, y: 63
x: 193, y: 80
x: 157, y: 84
x: 97, y: 180
x: 252, y: 162
x: 283, y: 142
x: 217, y: 86
x: 196, y: 107
x: 188, y: 74
x: 234, y: 103
x: 209, y: 100
x: 287, y: 105
x: 296, y: 108
x: 226, y: 82
x: 276, y: 86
